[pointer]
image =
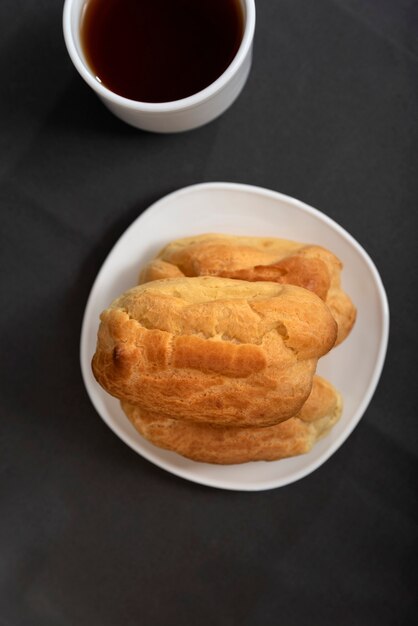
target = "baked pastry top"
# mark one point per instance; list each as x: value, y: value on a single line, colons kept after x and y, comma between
x: 226, y: 445
x: 258, y: 259
x: 215, y: 350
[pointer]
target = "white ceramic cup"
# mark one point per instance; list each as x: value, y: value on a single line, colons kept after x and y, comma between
x: 166, y: 117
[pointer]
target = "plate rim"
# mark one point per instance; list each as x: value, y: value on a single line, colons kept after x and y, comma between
x: 233, y: 485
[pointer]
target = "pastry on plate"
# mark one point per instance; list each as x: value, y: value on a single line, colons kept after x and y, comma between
x: 214, y: 350
x: 258, y: 259
x: 227, y: 445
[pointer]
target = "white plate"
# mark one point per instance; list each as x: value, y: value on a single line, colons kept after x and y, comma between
x: 354, y: 367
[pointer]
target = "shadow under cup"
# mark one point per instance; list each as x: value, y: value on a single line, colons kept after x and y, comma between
x: 177, y: 115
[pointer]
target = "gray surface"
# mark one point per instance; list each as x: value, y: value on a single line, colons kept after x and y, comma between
x: 92, y: 534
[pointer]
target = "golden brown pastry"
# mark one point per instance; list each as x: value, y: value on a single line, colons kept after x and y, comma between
x: 215, y: 350
x: 258, y: 259
x: 225, y: 445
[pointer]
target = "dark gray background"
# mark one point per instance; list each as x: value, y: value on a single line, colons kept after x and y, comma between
x: 92, y: 534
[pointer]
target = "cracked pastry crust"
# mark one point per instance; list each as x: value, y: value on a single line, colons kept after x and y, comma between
x: 227, y: 445
x: 258, y: 259
x: 214, y: 350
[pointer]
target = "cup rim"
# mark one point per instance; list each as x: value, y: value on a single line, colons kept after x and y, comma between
x: 159, y: 107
